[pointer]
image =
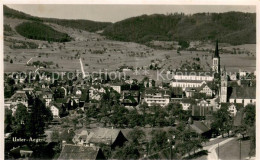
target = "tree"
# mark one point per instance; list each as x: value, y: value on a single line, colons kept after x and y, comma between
x: 11, y: 61
x: 38, y: 118
x: 136, y: 135
x: 55, y: 136
x: 249, y: 115
x: 75, y: 122
x: 223, y: 121
x: 143, y: 107
x: 159, y: 140
x: 8, y: 116
x: 21, y: 119
x: 128, y: 151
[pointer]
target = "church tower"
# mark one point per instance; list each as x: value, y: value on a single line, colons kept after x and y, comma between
x: 223, y: 90
x: 216, y: 60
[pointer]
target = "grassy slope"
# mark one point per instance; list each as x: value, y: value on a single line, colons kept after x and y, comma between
x: 230, y: 27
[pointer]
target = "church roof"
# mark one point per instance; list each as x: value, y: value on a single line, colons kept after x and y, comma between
x: 243, y: 93
x: 216, y: 54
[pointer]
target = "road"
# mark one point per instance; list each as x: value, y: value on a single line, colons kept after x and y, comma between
x: 29, y: 60
x: 82, y: 68
x: 212, y: 153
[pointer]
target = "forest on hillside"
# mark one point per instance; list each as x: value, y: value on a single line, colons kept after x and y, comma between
x: 230, y: 27
x: 40, y: 31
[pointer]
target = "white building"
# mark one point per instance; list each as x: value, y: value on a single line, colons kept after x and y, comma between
x: 158, y: 98
x: 95, y: 93
x: 187, y: 83
x: 193, y: 76
x: 47, y: 96
x: 206, y: 89
x: 116, y: 88
x: 232, y: 109
x: 55, y: 111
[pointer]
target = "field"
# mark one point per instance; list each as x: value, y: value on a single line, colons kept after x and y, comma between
x: 231, y: 150
x: 98, y: 53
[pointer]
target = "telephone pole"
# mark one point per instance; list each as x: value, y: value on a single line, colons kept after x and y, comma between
x: 218, y: 150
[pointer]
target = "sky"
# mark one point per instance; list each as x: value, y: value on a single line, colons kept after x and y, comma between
x: 114, y: 13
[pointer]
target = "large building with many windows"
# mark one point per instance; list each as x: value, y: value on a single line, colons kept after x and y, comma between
x: 161, y: 98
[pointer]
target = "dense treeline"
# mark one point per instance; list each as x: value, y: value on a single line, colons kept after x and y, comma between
x: 40, y: 31
x: 230, y: 27
x: 86, y: 25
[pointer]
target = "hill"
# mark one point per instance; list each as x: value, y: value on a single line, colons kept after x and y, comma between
x: 86, y: 25
x: 230, y: 27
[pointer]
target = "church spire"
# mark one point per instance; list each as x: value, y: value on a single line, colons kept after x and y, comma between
x: 216, y: 55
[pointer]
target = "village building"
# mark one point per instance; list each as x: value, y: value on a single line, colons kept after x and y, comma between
x: 202, y: 109
x: 207, y: 89
x: 187, y: 83
x: 81, y: 138
x: 193, y: 76
x: 130, y: 98
x: 116, y: 87
x: 153, y: 97
x: 47, y: 96
x: 243, y: 95
x: 201, y: 129
x: 70, y: 151
x: 105, y: 136
x: 19, y: 97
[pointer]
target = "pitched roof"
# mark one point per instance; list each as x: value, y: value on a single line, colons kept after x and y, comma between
x: 19, y: 94
x: 104, y: 135
x: 199, y: 127
x: 243, y: 93
x: 70, y: 151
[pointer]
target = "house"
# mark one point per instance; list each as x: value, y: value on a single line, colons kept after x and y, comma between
x: 189, y: 92
x: 187, y: 103
x: 81, y: 138
x: 19, y: 97
x: 70, y: 151
x: 233, y: 108
x: 207, y: 89
x: 55, y: 109
x: 116, y: 87
x: 243, y: 95
x: 158, y: 97
x: 201, y: 128
x: 149, y: 83
x: 28, y: 90
x: 95, y: 93
x: 233, y: 76
x: 106, y: 136
x: 21, y: 151
x: 242, y: 73
x: 47, y: 97
x: 130, y: 98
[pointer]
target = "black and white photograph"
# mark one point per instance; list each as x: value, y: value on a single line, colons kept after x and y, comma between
x: 129, y: 81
